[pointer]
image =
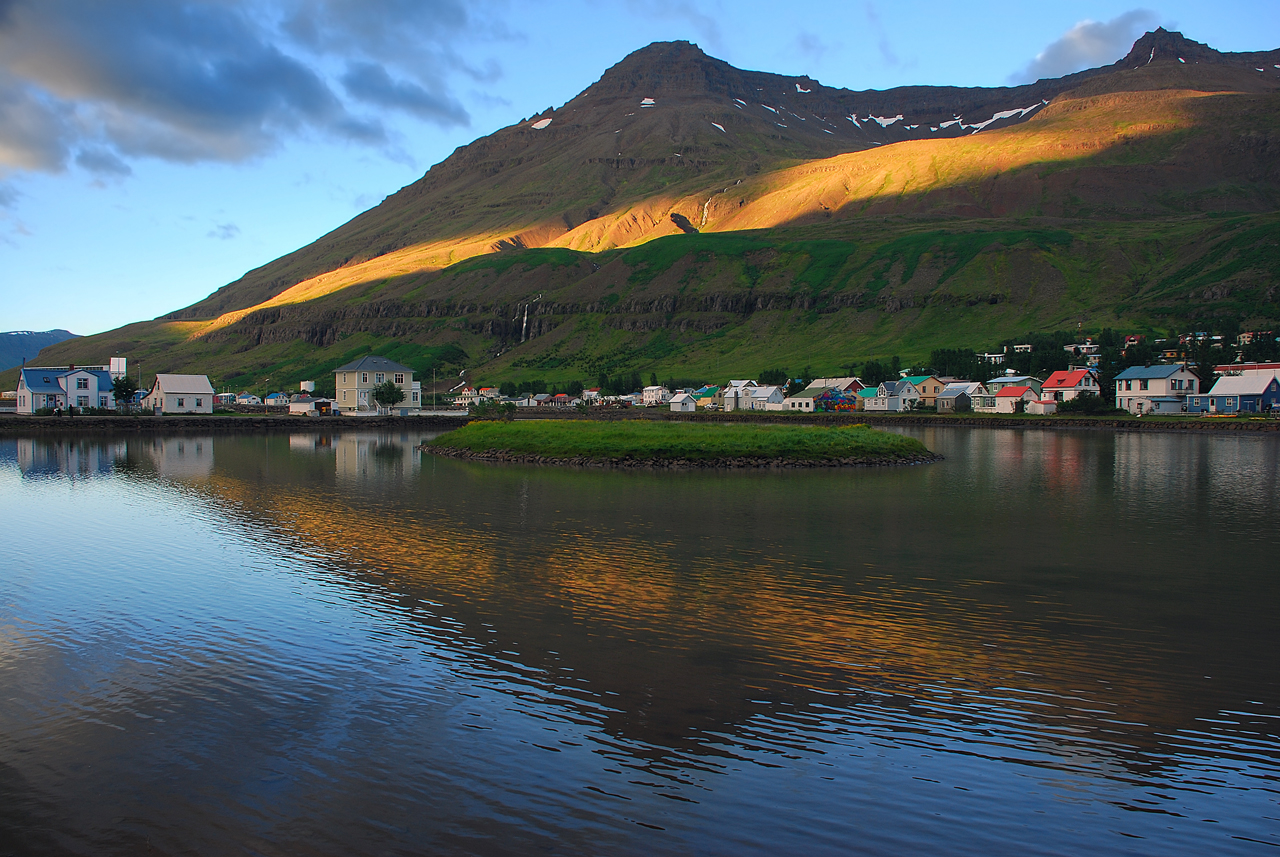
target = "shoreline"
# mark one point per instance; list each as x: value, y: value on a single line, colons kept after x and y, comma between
x: 12, y: 425
x: 497, y: 456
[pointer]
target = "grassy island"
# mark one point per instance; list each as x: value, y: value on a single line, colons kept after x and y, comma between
x: 635, y: 443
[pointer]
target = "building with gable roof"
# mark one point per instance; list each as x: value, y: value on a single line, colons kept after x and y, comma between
x: 1065, y: 384
x: 1252, y: 393
x: 180, y: 394
x: 42, y: 388
x: 354, y: 383
x: 1143, y: 389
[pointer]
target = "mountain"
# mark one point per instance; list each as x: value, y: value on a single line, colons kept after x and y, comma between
x: 681, y: 215
x: 19, y: 345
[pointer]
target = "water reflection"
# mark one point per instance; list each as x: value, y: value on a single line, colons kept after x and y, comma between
x: 1073, y: 624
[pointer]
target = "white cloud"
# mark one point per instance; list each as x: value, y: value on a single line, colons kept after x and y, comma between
x: 1087, y: 45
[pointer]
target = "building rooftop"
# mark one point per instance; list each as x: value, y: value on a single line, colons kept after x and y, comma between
x: 373, y: 363
x: 1160, y: 370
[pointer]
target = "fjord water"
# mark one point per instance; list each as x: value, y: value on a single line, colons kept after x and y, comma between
x: 1049, y: 643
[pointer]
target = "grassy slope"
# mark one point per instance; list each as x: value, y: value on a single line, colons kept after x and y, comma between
x: 674, y: 441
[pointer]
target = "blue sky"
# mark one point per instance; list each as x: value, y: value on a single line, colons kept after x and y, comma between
x: 154, y: 150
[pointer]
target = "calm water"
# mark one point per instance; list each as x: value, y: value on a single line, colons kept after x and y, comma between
x: 1050, y: 643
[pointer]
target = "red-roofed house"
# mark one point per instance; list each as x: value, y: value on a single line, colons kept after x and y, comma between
x: 1065, y: 385
x: 1008, y: 399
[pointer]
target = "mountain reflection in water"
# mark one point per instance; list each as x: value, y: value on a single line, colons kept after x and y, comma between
x: 330, y: 643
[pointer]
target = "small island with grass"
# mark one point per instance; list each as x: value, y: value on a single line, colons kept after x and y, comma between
x: 678, y: 445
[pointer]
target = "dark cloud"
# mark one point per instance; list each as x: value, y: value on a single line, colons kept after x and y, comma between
x: 224, y: 231
x: 222, y: 80
x: 370, y: 82
x: 1087, y: 45
x: 102, y: 162
x: 8, y: 195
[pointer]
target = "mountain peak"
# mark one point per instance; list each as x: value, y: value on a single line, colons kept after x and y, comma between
x: 1162, y: 44
x: 676, y: 68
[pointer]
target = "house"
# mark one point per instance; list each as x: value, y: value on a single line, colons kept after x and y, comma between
x: 1138, y: 386
x: 863, y: 396
x: 542, y: 400
x: 705, y: 395
x: 803, y: 401
x: 224, y: 399
x: 993, y: 386
x: 244, y: 397
x: 957, y: 397
x: 929, y: 386
x: 354, y: 383
x: 727, y: 397
x: 1253, y: 393
x: 1065, y: 384
x: 766, y: 398
x: 894, y: 396
x: 1013, y: 400
x: 311, y: 406
x: 40, y: 389
x: 655, y: 395
x: 277, y: 400
x: 591, y: 395
x: 683, y: 403
x: 62, y: 387
x: 180, y: 394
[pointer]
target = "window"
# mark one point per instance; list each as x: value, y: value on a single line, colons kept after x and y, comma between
x: 82, y: 401
x: 1128, y: 385
x: 102, y: 401
x: 182, y: 403
x: 378, y: 378
x: 415, y: 397
x: 364, y: 377
x: 344, y: 395
x: 82, y: 383
x: 399, y: 378
x: 199, y: 403
x: 1142, y: 385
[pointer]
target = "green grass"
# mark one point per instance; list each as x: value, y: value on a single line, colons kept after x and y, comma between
x: 615, y: 441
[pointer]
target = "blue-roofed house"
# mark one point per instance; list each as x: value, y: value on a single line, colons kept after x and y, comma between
x: 1158, y: 389
x: 63, y: 387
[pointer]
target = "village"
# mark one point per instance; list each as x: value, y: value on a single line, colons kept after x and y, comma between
x: 375, y: 385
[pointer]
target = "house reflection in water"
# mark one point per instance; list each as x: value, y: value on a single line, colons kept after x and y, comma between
x: 181, y: 457
x: 359, y: 457
x: 79, y: 457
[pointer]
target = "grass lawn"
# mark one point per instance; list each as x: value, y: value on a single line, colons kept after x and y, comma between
x: 615, y: 441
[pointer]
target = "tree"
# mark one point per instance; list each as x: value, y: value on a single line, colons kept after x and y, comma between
x: 509, y: 389
x: 653, y: 379
x: 124, y: 388
x: 774, y: 377
x: 387, y: 394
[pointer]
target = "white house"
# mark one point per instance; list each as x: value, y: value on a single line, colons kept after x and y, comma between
x: 1012, y: 400
x: 180, y: 394
x: 244, y: 397
x: 1065, y: 384
x: 803, y: 400
x: 767, y: 398
x: 1139, y: 387
x: 683, y: 403
x: 894, y: 396
x: 656, y: 395
x: 63, y: 387
x: 277, y: 400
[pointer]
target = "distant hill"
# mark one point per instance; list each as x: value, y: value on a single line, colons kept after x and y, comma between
x: 19, y: 345
x: 685, y: 217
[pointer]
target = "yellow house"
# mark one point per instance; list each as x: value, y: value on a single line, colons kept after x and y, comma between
x: 354, y: 383
x: 929, y: 387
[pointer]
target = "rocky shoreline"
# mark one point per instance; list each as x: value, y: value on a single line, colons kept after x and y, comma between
x: 499, y: 456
